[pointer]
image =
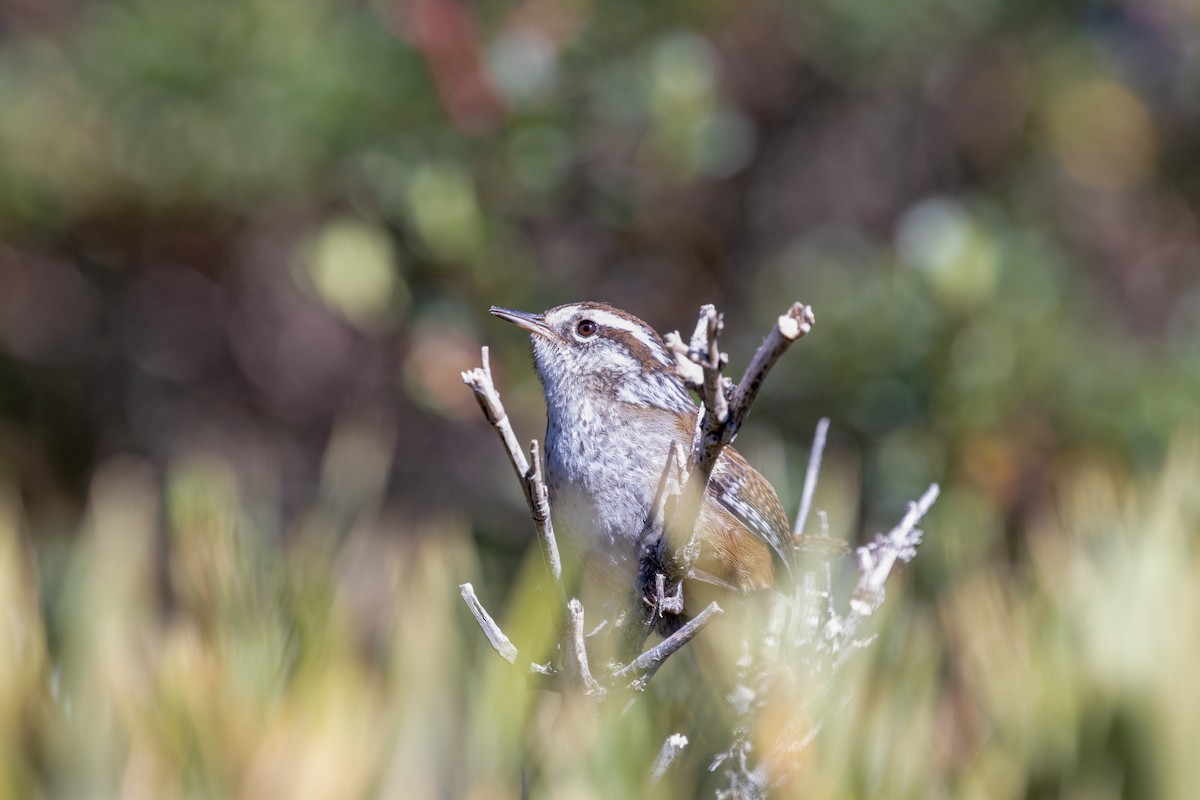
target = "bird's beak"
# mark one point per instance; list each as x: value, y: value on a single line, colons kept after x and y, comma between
x: 534, y: 323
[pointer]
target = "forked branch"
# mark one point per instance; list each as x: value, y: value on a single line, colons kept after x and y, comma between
x: 699, y: 363
x: 721, y: 417
x: 875, y: 563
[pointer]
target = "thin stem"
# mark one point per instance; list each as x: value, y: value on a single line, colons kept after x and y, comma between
x: 495, y: 636
x: 576, y: 657
x: 529, y: 470
x: 875, y: 563
x: 642, y: 668
x: 810, y: 475
x: 671, y: 748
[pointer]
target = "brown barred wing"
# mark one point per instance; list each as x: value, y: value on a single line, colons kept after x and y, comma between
x: 749, y: 497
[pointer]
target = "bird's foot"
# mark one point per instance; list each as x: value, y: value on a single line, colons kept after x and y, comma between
x: 664, y: 604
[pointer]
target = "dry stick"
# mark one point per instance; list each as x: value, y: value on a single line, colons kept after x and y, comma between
x: 538, y: 497
x: 875, y: 562
x: 687, y: 364
x: 480, y: 381
x: 806, y: 590
x: 496, y: 638
x: 708, y: 355
x: 541, y: 676
x: 642, y: 668
x: 636, y: 625
x: 705, y: 352
x: 716, y: 430
x: 671, y: 749
x: 669, y: 485
x: 529, y: 471
x: 575, y: 658
x: 789, y: 327
x: 810, y: 476
x: 699, y: 365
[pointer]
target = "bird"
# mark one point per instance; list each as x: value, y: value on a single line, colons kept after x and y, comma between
x: 615, y: 409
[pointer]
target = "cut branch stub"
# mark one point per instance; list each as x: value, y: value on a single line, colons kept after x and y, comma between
x: 495, y: 636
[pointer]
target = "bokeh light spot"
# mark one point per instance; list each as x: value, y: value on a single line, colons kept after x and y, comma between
x: 940, y: 237
x: 443, y: 207
x: 350, y: 264
x: 684, y: 69
x: 1103, y: 135
x: 524, y: 65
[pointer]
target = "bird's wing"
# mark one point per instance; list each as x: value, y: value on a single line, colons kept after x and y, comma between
x: 746, y: 494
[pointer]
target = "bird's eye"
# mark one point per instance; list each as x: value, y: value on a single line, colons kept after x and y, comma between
x: 586, y: 328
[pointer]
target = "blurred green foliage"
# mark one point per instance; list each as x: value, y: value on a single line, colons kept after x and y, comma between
x: 245, y: 251
x: 325, y: 671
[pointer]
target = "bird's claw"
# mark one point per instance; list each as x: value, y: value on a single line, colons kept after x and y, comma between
x: 663, y: 603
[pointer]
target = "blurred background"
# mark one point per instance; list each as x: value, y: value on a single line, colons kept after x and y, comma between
x: 246, y: 249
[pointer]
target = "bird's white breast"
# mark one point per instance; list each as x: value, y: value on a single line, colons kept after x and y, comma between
x: 603, y: 464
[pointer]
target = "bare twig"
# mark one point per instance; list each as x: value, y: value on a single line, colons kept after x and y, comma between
x: 575, y: 655
x: 671, y: 749
x: 825, y: 640
x: 639, y: 621
x: 706, y: 351
x: 689, y: 371
x: 642, y: 668
x: 496, y: 638
x: 529, y: 471
x: 699, y: 364
x: 669, y: 485
x: 875, y: 562
x: 718, y: 423
x: 804, y: 599
x: 810, y: 475
x: 667, y: 603
x: 541, y: 676
x: 480, y: 381
x: 538, y: 498
x: 790, y: 326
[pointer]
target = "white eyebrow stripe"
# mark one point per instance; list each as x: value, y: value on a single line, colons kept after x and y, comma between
x: 639, y: 333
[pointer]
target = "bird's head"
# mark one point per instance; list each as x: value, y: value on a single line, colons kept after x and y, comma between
x: 594, y: 350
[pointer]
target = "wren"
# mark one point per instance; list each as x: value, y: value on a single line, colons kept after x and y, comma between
x: 615, y: 408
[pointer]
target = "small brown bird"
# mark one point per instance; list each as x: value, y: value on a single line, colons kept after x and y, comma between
x: 615, y: 407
